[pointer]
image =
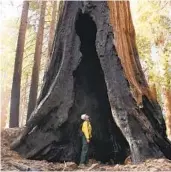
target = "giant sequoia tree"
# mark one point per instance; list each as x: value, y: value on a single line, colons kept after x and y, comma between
x: 85, y: 75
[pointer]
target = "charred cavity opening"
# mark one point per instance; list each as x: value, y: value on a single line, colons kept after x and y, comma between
x: 91, y: 97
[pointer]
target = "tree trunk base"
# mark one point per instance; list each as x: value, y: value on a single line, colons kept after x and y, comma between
x: 86, y: 76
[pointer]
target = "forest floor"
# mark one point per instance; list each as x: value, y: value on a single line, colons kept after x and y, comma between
x: 10, y: 161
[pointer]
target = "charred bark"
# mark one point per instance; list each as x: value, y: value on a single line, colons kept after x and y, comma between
x: 125, y: 43
x: 52, y: 28
x: 86, y: 76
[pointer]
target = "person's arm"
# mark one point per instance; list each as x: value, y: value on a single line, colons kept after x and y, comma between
x: 90, y: 130
x: 85, y: 131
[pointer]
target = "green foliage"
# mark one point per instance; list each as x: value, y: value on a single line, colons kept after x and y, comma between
x: 144, y: 46
x: 9, y: 34
x: 34, y: 6
x: 152, y: 21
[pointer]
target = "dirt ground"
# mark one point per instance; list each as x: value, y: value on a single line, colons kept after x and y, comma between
x: 11, y: 161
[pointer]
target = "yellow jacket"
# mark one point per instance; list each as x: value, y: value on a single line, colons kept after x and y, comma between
x: 87, y: 129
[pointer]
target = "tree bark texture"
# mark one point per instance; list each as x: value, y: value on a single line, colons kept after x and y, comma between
x: 37, y: 60
x: 125, y: 44
x: 52, y: 28
x: 153, y: 92
x: 167, y: 106
x: 15, y: 93
x: 86, y: 76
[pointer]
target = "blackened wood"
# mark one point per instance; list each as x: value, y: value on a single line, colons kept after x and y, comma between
x: 85, y: 76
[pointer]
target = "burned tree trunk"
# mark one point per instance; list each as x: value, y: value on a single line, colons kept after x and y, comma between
x: 86, y: 76
x: 52, y: 27
x: 125, y: 43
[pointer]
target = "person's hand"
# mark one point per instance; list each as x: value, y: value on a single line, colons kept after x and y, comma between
x: 88, y: 141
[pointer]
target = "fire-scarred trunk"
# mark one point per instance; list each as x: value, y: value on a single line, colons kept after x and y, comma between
x: 86, y: 76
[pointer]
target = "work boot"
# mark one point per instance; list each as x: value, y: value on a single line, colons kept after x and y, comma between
x: 82, y: 166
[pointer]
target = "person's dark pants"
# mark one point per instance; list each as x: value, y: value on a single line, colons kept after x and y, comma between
x: 84, y: 152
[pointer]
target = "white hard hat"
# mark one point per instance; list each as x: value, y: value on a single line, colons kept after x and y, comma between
x: 83, y: 117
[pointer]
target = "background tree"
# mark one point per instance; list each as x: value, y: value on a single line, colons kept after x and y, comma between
x: 15, y: 93
x: 8, y: 48
x: 153, y: 30
x: 34, y: 15
x: 9, y: 33
x: 37, y: 60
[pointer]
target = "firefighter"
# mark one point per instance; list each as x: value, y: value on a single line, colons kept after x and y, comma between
x: 86, y: 135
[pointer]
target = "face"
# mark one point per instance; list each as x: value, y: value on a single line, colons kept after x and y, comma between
x: 87, y: 117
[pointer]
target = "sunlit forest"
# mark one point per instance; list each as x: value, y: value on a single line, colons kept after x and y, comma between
x: 28, y: 33
x: 11, y: 16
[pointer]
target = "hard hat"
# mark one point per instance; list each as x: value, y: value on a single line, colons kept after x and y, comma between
x: 83, y: 117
